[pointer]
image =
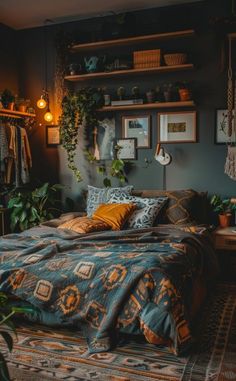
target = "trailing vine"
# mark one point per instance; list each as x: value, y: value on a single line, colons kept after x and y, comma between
x: 77, y: 108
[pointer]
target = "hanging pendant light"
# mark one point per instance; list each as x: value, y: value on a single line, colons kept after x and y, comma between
x: 43, y: 101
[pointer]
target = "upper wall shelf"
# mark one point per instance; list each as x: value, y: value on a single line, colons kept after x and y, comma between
x: 131, y: 40
x: 148, y: 106
x: 119, y: 73
x: 17, y: 114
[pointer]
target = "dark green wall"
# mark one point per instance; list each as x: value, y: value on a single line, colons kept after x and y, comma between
x: 198, y: 165
x: 8, y: 59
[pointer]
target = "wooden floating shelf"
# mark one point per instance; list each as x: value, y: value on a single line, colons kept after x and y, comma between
x: 148, y: 106
x: 13, y: 113
x: 120, y: 73
x: 131, y: 40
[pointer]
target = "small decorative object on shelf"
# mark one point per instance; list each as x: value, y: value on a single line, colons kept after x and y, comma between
x: 147, y: 58
x: 151, y: 94
x: 74, y: 68
x: 184, y: 92
x: 175, y: 59
x: 224, y: 208
x: 121, y: 92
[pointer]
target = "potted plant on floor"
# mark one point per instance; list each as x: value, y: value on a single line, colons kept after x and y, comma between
x: 224, y: 208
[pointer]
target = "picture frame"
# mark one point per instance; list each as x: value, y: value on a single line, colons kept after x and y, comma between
x: 139, y: 127
x: 177, y: 127
x: 221, y: 127
x: 52, y: 136
x: 128, y: 149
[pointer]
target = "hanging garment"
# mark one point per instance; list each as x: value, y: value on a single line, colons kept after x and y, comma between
x: 26, y: 159
x: 230, y: 164
x: 4, y: 151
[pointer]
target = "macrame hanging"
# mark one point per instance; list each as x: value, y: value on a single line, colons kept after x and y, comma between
x: 230, y: 97
x: 230, y: 164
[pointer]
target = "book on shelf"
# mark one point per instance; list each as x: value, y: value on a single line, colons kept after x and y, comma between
x: 127, y: 102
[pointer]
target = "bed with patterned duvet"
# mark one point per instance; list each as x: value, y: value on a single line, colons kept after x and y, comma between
x: 142, y: 281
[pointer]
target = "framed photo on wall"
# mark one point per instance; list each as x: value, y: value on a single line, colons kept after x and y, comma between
x: 52, y: 135
x: 127, y: 149
x: 137, y: 127
x: 221, y: 127
x: 177, y: 127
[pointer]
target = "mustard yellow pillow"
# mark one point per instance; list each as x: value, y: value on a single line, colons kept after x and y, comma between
x: 85, y: 225
x: 114, y: 215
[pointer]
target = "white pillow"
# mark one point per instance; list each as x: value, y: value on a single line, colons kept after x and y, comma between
x: 146, y: 214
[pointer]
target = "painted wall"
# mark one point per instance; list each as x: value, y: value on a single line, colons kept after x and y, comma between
x: 197, y: 165
x: 8, y: 59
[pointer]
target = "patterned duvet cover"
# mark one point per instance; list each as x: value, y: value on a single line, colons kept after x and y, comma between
x: 135, y: 281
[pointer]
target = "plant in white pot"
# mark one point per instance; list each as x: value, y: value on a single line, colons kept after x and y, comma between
x: 224, y: 208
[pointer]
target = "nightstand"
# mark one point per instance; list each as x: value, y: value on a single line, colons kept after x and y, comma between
x: 4, y: 221
x: 225, y: 245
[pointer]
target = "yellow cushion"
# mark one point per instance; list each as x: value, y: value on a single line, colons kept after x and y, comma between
x: 114, y: 215
x: 85, y: 225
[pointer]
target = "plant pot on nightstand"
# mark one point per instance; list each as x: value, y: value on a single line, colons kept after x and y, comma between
x: 225, y: 220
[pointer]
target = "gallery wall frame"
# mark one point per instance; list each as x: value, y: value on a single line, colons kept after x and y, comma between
x: 139, y: 127
x: 177, y: 127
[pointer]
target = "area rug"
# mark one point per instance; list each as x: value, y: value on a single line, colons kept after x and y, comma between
x: 43, y: 354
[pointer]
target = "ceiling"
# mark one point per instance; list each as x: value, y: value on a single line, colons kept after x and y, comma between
x: 21, y: 14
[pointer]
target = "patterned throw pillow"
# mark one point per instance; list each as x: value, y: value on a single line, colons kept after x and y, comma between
x: 115, y: 215
x: 147, y: 209
x: 85, y: 225
x: 180, y: 208
x: 97, y: 196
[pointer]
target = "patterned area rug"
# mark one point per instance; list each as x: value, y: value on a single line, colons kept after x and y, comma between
x: 42, y: 354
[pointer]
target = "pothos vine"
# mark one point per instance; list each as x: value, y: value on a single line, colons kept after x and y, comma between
x: 77, y: 109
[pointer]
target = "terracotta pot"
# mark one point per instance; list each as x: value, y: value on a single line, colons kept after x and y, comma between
x: 10, y: 106
x: 184, y: 95
x: 225, y: 220
x: 22, y: 108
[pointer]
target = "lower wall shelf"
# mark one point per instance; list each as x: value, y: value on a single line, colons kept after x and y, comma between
x: 147, y: 106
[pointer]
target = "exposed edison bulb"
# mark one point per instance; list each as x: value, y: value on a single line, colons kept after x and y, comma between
x: 48, y: 116
x: 41, y: 103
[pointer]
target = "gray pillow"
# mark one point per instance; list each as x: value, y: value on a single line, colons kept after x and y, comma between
x: 97, y: 196
x: 147, y: 209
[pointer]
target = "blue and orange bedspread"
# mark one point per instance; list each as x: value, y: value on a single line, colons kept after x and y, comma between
x: 135, y: 281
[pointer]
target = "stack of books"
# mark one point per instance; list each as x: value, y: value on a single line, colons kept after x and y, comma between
x: 124, y: 102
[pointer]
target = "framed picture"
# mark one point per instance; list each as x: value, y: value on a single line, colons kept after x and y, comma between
x: 221, y: 127
x: 177, y: 127
x: 127, y: 148
x: 137, y: 127
x: 52, y: 136
x: 104, y: 139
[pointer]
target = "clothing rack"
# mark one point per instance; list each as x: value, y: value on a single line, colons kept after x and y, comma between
x: 15, y: 114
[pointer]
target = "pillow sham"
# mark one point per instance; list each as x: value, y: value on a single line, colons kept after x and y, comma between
x: 115, y: 215
x: 97, y: 196
x: 147, y: 209
x: 180, y: 207
x: 85, y: 225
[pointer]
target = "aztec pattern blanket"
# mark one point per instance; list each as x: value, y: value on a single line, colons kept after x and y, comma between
x: 136, y: 281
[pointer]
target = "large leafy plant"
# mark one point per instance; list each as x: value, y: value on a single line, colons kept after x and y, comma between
x: 7, y: 329
x: 29, y: 208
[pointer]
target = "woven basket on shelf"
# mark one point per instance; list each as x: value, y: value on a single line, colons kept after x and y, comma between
x: 175, y: 59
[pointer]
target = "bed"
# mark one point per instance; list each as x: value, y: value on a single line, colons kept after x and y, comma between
x: 149, y: 281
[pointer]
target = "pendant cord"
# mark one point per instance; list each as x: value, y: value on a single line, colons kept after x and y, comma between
x: 230, y: 93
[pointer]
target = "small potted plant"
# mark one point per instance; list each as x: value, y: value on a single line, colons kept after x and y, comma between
x: 184, y: 92
x: 224, y: 208
x: 8, y: 99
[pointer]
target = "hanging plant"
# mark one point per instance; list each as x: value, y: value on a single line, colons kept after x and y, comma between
x: 78, y: 108
x: 62, y: 42
x: 82, y: 107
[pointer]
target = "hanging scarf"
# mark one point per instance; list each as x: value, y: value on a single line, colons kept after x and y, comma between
x: 230, y: 164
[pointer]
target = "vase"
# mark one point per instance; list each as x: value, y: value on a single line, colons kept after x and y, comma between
x: 22, y: 108
x: 225, y: 220
x: 184, y: 95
